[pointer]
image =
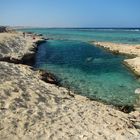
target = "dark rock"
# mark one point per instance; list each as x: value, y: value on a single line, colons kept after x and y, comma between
x: 40, y: 42
x: 28, y: 59
x: 49, y: 77
x: 5, y: 29
x: 10, y: 60
x: 126, y: 109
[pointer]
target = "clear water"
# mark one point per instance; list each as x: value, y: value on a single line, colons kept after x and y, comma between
x: 86, y: 69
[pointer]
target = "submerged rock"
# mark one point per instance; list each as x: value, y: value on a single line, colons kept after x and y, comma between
x: 49, y: 77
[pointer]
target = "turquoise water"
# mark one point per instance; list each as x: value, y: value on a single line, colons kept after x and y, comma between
x: 131, y: 36
x: 86, y: 69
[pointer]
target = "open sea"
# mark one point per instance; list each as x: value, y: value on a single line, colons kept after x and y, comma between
x: 85, y: 68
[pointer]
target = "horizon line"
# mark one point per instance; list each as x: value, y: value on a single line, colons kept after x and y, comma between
x: 96, y: 27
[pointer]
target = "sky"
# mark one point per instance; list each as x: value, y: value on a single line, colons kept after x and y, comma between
x: 70, y: 13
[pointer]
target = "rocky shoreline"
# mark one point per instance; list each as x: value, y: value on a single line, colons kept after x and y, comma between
x: 132, y: 51
x: 33, y: 109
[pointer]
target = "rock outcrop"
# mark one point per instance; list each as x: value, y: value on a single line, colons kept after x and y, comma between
x: 15, y: 45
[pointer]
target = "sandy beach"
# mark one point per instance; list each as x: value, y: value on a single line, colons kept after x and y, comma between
x: 31, y: 109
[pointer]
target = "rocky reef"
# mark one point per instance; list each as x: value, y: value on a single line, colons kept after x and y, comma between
x: 33, y: 109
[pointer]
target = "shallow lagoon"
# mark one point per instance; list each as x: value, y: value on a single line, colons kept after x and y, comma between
x: 88, y: 70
